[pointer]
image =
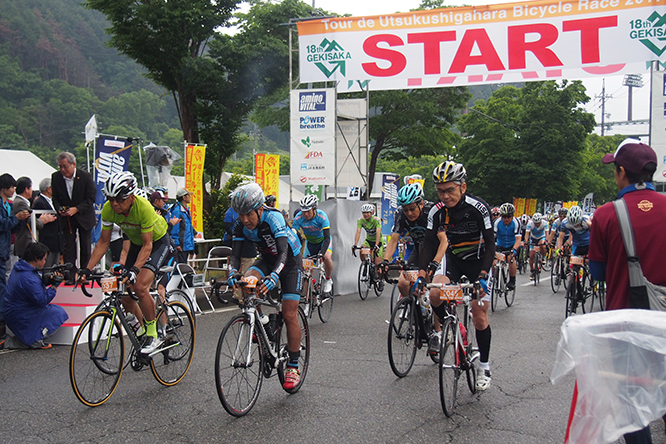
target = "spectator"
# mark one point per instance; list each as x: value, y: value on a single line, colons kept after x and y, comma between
x: 183, y: 233
x: 7, y: 223
x: 635, y: 164
x: 28, y: 312
x: 159, y: 200
x: 271, y: 200
x: 49, y: 234
x: 229, y: 218
x: 74, y: 194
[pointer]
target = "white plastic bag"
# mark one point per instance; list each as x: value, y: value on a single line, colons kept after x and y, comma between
x: 620, y: 362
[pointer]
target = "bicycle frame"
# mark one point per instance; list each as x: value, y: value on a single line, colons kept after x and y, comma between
x: 249, y: 307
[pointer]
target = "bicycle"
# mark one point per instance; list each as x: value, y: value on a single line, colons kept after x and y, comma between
x: 458, y: 349
x: 579, y: 287
x: 391, y: 277
x: 522, y: 259
x: 98, y: 351
x: 313, y: 281
x: 500, y: 282
x: 537, y: 265
x: 547, y: 259
x: 367, y: 274
x: 247, y: 351
x: 558, y: 273
x: 599, y: 291
x: 411, y: 326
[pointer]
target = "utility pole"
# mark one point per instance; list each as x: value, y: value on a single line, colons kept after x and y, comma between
x: 603, y: 98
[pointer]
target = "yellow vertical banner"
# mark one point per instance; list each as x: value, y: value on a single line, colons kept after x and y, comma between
x: 531, y: 207
x: 519, y: 204
x: 194, y: 166
x: 419, y: 181
x: 267, y: 174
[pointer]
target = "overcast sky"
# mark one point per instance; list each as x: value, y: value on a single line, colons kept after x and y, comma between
x: 616, y: 106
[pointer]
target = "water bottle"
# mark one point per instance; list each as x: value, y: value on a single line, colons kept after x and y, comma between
x: 263, y: 319
x: 134, y: 323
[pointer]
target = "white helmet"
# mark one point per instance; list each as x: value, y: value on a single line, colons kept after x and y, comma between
x: 141, y: 192
x: 524, y: 219
x: 537, y: 218
x: 119, y: 184
x: 368, y: 208
x: 308, y: 202
x: 246, y: 198
x: 575, y: 215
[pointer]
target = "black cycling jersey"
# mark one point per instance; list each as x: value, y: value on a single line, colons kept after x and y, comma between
x: 416, y: 229
x: 469, y: 229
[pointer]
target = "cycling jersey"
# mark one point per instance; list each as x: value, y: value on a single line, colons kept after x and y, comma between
x: 506, y: 234
x: 275, y: 242
x: 316, y: 230
x: 416, y: 229
x: 142, y: 218
x: 371, y: 228
x: 536, y: 232
x: 580, y: 234
x: 469, y: 231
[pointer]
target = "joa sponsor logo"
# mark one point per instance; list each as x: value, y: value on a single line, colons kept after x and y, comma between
x: 312, y: 101
x: 650, y: 32
x: 312, y: 123
x: 329, y: 57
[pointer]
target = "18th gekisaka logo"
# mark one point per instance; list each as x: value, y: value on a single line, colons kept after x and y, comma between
x: 650, y: 32
x: 329, y: 56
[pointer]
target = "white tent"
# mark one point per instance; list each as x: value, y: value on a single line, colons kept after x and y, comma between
x: 24, y: 163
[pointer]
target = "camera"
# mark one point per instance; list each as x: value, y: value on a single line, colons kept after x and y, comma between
x: 50, y: 276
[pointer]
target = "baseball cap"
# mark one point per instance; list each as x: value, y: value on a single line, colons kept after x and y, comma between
x: 633, y: 155
x: 157, y: 195
x: 182, y: 192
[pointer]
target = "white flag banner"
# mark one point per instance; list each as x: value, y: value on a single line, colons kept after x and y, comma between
x: 91, y: 129
x: 312, y: 129
x: 658, y: 123
x: 510, y: 42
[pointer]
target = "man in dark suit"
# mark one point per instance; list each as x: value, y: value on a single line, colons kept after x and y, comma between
x: 50, y: 234
x: 74, y: 197
x: 24, y: 235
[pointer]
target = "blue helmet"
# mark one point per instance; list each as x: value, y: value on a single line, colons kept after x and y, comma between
x: 412, y: 193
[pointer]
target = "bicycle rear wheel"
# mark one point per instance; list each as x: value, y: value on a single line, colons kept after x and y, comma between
x: 239, y: 361
x: 283, y: 354
x: 171, y: 363
x: 402, y: 337
x: 364, y: 282
x: 325, y: 307
x: 555, y: 275
x: 449, y: 372
x: 96, y: 359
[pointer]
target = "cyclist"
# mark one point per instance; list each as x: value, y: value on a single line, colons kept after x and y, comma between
x: 536, y: 231
x: 494, y: 214
x: 465, y: 219
x: 317, y: 231
x: 411, y: 219
x: 279, y: 260
x: 507, y: 232
x: 149, y: 247
x: 373, y: 227
x: 555, y: 226
x: 578, y: 226
x: 271, y: 200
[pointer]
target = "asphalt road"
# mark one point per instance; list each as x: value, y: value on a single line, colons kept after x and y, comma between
x: 350, y: 394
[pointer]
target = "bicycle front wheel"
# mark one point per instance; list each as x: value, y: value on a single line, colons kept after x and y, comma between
x: 402, y: 337
x: 497, y: 288
x: 181, y: 296
x: 587, y: 293
x: 283, y: 354
x: 96, y: 358
x: 325, y: 307
x: 308, y: 294
x: 555, y: 276
x: 547, y: 261
x: 570, y: 297
x: 600, y: 290
x: 509, y: 295
x: 171, y: 363
x: 364, y: 282
x: 449, y: 371
x: 239, y: 361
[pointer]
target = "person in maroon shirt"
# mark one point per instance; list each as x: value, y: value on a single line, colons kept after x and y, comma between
x: 635, y: 164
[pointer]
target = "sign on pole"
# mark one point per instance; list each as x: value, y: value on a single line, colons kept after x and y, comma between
x: 390, y: 185
x: 194, y: 166
x: 267, y: 174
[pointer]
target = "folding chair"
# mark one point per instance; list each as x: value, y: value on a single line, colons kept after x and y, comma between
x: 216, y: 263
x: 185, y: 279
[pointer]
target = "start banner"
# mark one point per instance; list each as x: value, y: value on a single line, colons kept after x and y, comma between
x: 509, y: 42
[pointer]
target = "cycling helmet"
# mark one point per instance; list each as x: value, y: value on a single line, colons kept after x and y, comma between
x: 449, y: 172
x: 270, y: 200
x: 119, y: 184
x: 537, y: 218
x: 141, y: 192
x: 507, y: 209
x: 246, y: 198
x: 551, y: 217
x: 495, y: 211
x: 575, y: 215
x: 308, y: 202
x: 412, y: 193
x: 524, y: 219
x: 367, y: 208
x: 562, y: 211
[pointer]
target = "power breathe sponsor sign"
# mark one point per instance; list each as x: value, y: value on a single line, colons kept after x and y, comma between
x: 510, y: 42
x: 312, y: 128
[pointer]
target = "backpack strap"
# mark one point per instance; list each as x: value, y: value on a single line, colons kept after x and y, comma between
x: 636, y: 278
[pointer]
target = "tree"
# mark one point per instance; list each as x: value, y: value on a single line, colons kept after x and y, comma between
x: 597, y: 177
x: 527, y: 142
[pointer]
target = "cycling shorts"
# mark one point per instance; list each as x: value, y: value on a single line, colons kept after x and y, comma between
x: 580, y: 250
x: 313, y: 249
x: 290, y: 278
x: 367, y: 243
x: 162, y: 251
x: 457, y: 268
x: 535, y: 242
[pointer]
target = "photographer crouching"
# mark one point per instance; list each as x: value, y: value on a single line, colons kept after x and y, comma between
x: 27, y: 309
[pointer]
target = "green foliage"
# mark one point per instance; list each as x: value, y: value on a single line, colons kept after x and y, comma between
x: 597, y: 177
x: 219, y: 205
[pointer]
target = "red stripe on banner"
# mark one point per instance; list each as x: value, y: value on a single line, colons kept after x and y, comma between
x: 414, y: 82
